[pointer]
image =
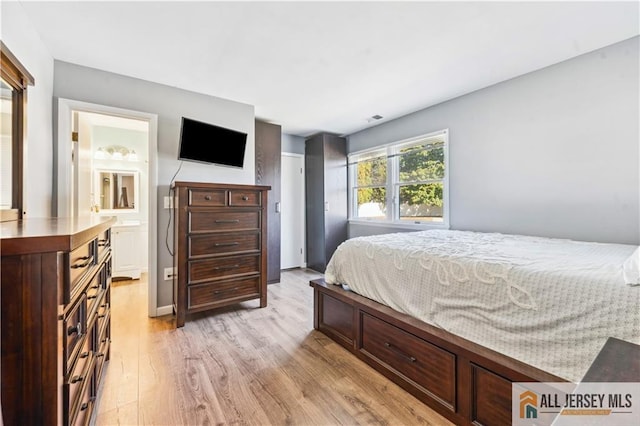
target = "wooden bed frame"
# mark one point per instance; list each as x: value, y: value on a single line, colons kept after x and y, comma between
x: 465, y: 382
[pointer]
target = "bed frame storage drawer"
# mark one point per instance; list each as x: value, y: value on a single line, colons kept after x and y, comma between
x: 336, y: 319
x: 491, y: 398
x: 423, y: 365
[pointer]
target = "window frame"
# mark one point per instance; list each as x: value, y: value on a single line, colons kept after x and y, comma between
x: 393, y: 183
x: 16, y: 75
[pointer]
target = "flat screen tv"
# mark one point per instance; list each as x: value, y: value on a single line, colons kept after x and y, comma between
x: 207, y: 143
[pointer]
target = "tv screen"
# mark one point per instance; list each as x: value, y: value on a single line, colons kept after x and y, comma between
x: 207, y: 143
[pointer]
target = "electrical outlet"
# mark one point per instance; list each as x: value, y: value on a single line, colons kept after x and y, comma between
x: 169, y: 273
x: 168, y: 202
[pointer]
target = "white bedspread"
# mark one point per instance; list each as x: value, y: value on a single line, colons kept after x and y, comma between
x: 550, y: 303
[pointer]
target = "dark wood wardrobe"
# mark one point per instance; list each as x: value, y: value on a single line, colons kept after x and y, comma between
x: 326, y: 197
x: 268, y: 138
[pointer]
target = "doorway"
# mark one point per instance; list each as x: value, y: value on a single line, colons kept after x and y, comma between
x: 292, y: 239
x: 97, y: 142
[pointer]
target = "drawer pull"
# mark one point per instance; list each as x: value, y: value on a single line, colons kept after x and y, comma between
x: 102, y: 243
x: 207, y: 197
x: 227, y: 220
x: 84, y: 406
x: 100, y: 354
x: 95, y: 286
x: 91, y: 297
x: 102, y: 316
x: 399, y: 352
x: 75, y: 330
x: 226, y: 244
x: 225, y: 291
x: 218, y: 268
x: 245, y: 198
x: 76, y: 379
x: 88, y: 261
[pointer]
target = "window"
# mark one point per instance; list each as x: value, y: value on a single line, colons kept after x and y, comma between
x: 405, y: 183
x: 14, y: 80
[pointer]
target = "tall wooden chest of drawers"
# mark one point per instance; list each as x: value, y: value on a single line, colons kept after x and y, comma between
x: 220, y: 246
x: 56, y: 297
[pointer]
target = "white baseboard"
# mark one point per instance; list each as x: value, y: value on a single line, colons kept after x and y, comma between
x: 164, y: 310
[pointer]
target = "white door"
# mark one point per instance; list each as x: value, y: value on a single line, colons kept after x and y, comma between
x: 292, y: 239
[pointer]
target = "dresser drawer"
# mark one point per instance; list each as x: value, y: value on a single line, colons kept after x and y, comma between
x: 430, y: 367
x: 202, y: 296
x: 93, y: 292
x: 205, y: 221
x: 244, y: 198
x: 207, y: 198
x: 81, y: 262
x: 215, y: 268
x: 104, y: 243
x: 78, y: 380
x: 214, y: 244
x: 81, y: 416
x: 74, y: 329
x: 77, y: 364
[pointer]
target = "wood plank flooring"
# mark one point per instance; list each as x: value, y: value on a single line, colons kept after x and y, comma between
x: 242, y: 365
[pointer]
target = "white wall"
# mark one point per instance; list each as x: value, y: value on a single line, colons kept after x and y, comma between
x: 292, y: 143
x: 551, y: 153
x: 24, y: 42
x: 170, y: 104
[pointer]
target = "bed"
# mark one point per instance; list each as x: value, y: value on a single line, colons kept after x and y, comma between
x: 487, y: 308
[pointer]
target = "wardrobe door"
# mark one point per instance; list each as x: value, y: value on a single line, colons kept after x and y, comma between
x: 314, y: 199
x: 268, y: 137
x: 326, y: 197
x: 335, y: 193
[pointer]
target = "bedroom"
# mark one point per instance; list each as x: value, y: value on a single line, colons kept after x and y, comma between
x: 557, y: 109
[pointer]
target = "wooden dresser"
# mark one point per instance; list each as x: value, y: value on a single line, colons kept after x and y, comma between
x: 55, y: 292
x: 220, y: 246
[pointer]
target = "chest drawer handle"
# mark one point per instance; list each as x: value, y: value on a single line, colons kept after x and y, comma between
x: 88, y: 260
x: 102, y: 243
x: 218, y: 268
x: 227, y: 220
x: 76, y: 379
x: 75, y: 330
x: 84, y: 354
x: 84, y: 406
x: 207, y: 197
x: 226, y: 244
x: 245, y: 198
x: 399, y: 352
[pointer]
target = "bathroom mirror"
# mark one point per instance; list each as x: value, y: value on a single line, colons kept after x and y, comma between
x: 117, y: 190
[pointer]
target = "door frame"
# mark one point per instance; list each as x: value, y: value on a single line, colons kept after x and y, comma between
x: 62, y: 199
x: 302, y: 207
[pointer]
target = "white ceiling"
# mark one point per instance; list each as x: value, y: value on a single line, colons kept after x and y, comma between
x: 328, y: 66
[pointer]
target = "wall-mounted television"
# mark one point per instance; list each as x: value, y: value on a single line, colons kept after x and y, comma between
x: 208, y: 143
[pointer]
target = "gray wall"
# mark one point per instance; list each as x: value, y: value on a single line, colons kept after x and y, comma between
x: 293, y: 144
x: 170, y: 104
x: 551, y: 153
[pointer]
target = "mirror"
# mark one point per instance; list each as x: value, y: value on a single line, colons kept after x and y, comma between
x: 117, y: 190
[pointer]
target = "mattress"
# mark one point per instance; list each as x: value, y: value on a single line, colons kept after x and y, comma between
x: 551, y: 303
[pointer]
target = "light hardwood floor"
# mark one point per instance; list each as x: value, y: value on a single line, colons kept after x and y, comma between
x: 242, y: 365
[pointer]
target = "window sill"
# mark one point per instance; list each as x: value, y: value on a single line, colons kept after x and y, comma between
x: 399, y: 225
